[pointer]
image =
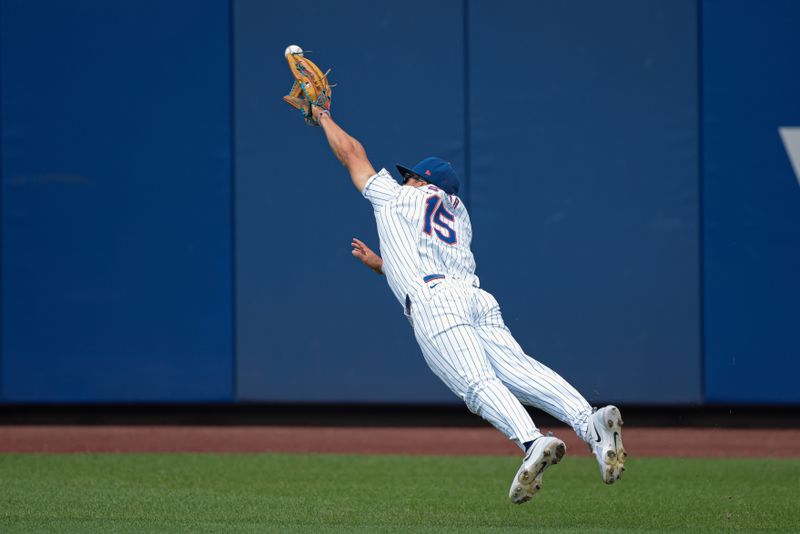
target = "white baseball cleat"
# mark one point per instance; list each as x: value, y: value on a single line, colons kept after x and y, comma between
x: 606, y: 429
x: 544, y: 452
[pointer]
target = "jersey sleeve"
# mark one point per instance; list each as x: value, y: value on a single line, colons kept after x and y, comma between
x: 380, y: 189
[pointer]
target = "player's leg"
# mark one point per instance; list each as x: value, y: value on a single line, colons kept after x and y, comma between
x: 443, y: 327
x: 457, y: 358
x: 532, y: 382
x: 537, y: 385
x: 454, y: 352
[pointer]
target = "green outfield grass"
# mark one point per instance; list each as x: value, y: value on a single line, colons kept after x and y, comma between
x: 325, y: 493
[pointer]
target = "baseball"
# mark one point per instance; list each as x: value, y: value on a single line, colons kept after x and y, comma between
x: 293, y: 49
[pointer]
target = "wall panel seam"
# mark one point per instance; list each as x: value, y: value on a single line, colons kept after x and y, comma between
x: 700, y: 206
x: 232, y: 178
x: 467, y: 124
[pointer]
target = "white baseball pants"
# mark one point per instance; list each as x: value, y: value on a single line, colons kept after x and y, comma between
x: 465, y: 342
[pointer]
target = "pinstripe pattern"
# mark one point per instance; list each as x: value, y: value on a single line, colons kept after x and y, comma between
x: 459, y: 326
x: 408, y: 253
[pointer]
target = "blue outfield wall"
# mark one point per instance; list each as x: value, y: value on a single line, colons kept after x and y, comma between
x: 751, y: 201
x: 583, y: 189
x: 635, y: 211
x: 116, y: 205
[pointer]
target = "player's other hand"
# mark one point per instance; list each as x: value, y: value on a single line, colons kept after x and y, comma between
x: 366, y: 256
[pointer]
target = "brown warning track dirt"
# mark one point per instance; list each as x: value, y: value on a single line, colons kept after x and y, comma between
x: 679, y: 442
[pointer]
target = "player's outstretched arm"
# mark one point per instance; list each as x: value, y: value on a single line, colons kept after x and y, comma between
x: 346, y: 148
x: 367, y: 257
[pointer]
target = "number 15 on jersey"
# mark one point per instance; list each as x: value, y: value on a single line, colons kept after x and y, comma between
x: 436, y: 220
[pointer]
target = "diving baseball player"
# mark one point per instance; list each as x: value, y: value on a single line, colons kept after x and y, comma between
x: 425, y: 234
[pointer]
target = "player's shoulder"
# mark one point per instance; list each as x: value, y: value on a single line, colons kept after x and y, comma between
x: 384, y: 178
x: 380, y: 188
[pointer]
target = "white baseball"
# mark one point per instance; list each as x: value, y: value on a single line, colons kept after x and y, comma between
x: 293, y: 49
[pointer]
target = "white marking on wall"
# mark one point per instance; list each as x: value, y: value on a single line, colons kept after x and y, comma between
x: 791, y: 142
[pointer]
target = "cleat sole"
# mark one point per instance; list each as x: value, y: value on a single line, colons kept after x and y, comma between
x: 610, y: 453
x: 526, y: 484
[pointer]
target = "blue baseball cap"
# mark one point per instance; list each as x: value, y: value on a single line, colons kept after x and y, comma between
x: 435, y: 171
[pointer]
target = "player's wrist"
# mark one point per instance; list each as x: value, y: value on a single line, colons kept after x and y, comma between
x: 323, y: 113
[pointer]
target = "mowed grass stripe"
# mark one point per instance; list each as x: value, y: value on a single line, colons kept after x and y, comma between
x: 359, y: 493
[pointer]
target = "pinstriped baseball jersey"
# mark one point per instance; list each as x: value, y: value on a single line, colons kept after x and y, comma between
x: 424, y: 233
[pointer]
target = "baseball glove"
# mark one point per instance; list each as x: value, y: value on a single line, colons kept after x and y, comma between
x: 311, y: 87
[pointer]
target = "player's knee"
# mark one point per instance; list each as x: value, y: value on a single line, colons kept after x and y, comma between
x: 478, y: 391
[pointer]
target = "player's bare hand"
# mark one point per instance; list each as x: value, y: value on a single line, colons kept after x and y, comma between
x: 365, y: 254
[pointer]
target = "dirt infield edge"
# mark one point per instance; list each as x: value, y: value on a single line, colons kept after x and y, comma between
x: 673, y: 442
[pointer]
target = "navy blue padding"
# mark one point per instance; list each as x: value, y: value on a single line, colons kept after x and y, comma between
x: 751, y: 200
x: 584, y: 188
x: 116, y: 217
x: 313, y: 324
